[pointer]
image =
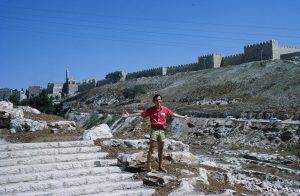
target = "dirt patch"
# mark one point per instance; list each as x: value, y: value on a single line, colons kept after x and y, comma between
x: 216, y: 187
x: 43, y: 117
x: 42, y: 136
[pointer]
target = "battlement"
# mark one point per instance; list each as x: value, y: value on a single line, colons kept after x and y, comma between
x: 262, y: 44
x: 253, y: 52
x: 235, y: 59
x: 87, y: 81
x: 234, y: 55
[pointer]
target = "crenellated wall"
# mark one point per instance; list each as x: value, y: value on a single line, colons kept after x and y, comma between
x: 102, y: 82
x: 261, y: 51
x: 146, y: 73
x: 210, y: 61
x: 233, y: 60
x: 253, y: 52
x: 86, y: 85
x: 182, y: 68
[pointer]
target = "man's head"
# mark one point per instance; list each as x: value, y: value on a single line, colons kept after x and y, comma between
x: 157, y: 99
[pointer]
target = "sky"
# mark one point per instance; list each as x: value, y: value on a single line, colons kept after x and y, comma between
x: 40, y: 39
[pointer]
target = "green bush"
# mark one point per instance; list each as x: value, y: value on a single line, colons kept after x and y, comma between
x: 114, y: 76
x: 92, y: 121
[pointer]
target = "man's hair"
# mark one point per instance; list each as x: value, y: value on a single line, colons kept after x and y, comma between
x: 155, y: 97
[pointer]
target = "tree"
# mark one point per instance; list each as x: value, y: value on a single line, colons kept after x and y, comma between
x: 114, y: 76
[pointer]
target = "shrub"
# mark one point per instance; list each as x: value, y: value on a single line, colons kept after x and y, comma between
x: 92, y: 121
x: 114, y: 76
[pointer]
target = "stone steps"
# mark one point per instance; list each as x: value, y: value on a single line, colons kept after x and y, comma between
x: 63, y: 168
x: 98, y: 189
x: 57, y: 174
x: 51, y: 159
x: 131, y: 192
x: 62, y: 183
x: 23, y: 169
x: 27, y: 146
x: 48, y: 151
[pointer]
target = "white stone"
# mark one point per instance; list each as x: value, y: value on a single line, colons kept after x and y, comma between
x: 185, y: 188
x: 29, y: 109
x: 63, y: 124
x: 131, y: 160
x: 21, y: 124
x: 176, y: 145
x: 203, y: 176
x: 6, y: 106
x: 100, y: 131
x: 184, y: 157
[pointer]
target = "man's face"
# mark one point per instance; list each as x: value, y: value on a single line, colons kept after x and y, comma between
x: 158, y: 101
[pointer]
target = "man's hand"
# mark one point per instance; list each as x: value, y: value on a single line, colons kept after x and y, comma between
x: 187, y: 118
x: 125, y: 114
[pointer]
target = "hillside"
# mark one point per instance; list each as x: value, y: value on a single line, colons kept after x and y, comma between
x: 259, y: 89
x: 246, y: 154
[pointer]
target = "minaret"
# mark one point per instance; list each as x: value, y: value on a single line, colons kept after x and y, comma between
x: 67, y: 75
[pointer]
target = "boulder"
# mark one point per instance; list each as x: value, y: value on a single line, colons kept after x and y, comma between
x: 137, y: 144
x: 97, y: 132
x: 131, y: 160
x: 29, y: 109
x: 21, y: 125
x: 63, y: 125
x: 16, y: 113
x: 186, y: 187
x: 176, y: 145
x: 6, y: 106
x: 183, y: 157
x: 157, y: 179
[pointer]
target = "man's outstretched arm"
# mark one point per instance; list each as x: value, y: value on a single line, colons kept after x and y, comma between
x: 186, y: 117
x: 126, y: 114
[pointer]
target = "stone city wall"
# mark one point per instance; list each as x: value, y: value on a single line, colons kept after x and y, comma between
x: 86, y: 85
x: 260, y: 51
x: 102, y: 82
x: 210, y: 61
x: 253, y: 52
x: 182, y: 68
x: 146, y: 73
x: 289, y: 55
x: 288, y: 50
x: 233, y: 60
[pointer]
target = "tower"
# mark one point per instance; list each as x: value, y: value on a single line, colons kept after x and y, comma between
x: 67, y: 75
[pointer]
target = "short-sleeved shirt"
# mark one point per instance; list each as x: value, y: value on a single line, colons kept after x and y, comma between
x: 158, y: 117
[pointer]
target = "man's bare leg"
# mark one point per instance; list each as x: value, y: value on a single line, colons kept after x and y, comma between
x: 160, y: 156
x: 150, y: 151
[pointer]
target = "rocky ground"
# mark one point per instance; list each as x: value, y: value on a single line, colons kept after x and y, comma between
x: 237, y: 148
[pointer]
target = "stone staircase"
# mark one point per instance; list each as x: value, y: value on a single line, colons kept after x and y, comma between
x: 63, y: 168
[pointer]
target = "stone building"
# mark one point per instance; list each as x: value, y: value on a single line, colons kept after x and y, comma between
x: 5, y: 93
x: 34, y: 91
x: 55, y: 89
x: 69, y: 87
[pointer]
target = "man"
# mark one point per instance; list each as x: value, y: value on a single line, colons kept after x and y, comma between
x: 158, y: 118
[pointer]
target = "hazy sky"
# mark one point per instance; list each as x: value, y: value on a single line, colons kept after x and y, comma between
x: 39, y: 39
